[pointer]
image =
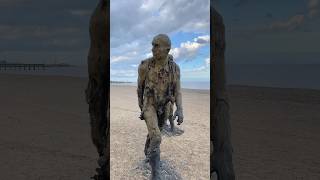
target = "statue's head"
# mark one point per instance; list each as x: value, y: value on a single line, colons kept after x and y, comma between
x: 161, y: 46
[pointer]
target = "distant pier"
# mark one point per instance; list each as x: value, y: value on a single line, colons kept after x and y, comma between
x: 26, y: 67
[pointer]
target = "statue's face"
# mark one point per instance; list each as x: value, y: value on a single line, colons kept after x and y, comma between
x: 159, y: 49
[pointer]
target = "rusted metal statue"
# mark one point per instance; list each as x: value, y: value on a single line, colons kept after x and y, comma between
x: 220, y: 139
x: 97, y: 92
x: 158, y: 88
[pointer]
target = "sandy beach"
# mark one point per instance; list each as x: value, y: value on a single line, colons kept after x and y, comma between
x: 44, y: 132
x: 182, y: 157
x: 276, y: 133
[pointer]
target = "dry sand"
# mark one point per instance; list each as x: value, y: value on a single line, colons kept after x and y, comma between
x: 44, y: 133
x: 182, y: 157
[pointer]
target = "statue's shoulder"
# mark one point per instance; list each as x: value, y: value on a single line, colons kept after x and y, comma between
x: 173, y: 65
x: 146, y: 61
x: 144, y: 65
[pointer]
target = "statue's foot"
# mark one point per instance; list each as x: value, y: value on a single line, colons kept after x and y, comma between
x: 172, y: 128
x: 147, y: 159
x: 155, y: 165
x: 177, y: 132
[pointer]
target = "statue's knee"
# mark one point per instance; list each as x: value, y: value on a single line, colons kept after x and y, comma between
x: 155, y: 140
x: 148, y: 114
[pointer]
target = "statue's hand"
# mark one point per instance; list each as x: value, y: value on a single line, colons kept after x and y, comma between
x: 140, y: 105
x: 180, y: 116
x: 141, y: 115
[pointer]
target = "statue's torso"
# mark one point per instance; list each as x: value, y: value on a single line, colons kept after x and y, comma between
x: 158, y: 82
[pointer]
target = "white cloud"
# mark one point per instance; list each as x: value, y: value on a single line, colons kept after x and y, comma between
x: 151, y: 5
x: 123, y: 73
x: 118, y: 58
x: 134, y: 23
x: 204, y: 67
x: 195, y: 26
x: 189, y: 49
x: 202, y: 39
x: 134, y: 65
x: 131, y: 54
x: 147, y: 55
x: 142, y: 19
x: 207, y: 60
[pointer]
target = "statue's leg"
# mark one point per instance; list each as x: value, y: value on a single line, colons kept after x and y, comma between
x: 161, y: 121
x: 170, y: 114
x: 163, y: 117
x: 146, y: 146
x: 153, y: 152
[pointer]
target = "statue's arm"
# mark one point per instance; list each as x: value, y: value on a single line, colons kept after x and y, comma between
x: 140, y: 84
x: 177, y: 94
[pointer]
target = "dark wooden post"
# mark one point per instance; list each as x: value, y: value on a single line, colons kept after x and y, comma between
x: 97, y: 92
x: 220, y: 138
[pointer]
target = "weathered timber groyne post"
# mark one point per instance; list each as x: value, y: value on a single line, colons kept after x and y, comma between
x: 220, y: 138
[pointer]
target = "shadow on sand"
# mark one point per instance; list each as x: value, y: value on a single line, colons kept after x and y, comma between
x: 168, y: 172
x: 167, y: 169
x: 166, y: 131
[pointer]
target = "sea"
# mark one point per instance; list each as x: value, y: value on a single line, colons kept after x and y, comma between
x: 306, y: 76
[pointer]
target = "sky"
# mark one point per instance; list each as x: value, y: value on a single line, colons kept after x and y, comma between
x: 134, y: 23
x: 45, y: 31
x: 258, y: 32
x: 271, y: 32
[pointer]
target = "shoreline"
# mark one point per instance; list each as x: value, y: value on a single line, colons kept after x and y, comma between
x: 126, y: 83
